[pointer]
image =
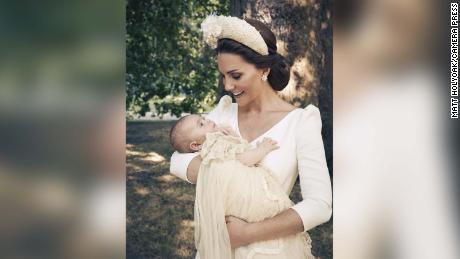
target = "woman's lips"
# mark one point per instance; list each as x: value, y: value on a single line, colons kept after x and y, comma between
x: 237, y: 94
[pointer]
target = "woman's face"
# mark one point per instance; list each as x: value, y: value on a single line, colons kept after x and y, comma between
x: 240, y: 78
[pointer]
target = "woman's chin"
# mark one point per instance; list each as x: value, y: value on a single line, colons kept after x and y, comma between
x: 240, y: 100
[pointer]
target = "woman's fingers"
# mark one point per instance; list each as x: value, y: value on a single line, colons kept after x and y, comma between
x: 233, y: 218
x: 225, y: 130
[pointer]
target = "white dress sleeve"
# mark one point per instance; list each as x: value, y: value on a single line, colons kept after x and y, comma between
x: 180, y: 161
x: 315, y: 183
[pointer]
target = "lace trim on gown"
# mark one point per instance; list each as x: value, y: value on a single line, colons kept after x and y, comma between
x: 222, y: 147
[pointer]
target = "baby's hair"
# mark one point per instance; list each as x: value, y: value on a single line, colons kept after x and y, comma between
x: 178, y: 137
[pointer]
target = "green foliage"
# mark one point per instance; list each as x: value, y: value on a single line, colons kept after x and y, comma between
x: 168, y: 67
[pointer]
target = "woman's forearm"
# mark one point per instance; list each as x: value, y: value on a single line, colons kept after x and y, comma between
x: 193, y: 168
x: 284, y: 224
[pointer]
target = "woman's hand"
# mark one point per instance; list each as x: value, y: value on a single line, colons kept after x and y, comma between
x: 243, y: 233
x: 238, y: 230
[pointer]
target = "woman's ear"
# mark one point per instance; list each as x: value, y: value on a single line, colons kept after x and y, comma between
x: 266, y: 71
x: 195, y: 146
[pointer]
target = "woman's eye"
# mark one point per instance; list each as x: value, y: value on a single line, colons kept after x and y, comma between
x: 236, y: 77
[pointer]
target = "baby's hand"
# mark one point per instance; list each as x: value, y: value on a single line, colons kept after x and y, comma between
x: 268, y: 145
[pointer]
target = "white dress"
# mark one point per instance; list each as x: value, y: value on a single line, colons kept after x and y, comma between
x: 301, y: 153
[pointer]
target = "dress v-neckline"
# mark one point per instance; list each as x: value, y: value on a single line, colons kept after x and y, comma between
x: 270, y: 129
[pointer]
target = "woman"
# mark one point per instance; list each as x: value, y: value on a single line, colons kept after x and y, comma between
x: 252, y: 72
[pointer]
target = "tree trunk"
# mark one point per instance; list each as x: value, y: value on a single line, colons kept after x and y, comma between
x: 303, y: 29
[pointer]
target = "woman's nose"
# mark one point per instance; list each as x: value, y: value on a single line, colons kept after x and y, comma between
x: 229, y: 87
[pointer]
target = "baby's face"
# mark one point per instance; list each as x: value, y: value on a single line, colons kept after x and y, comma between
x: 199, y: 127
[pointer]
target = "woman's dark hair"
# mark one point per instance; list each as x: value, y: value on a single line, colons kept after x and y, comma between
x: 280, y: 70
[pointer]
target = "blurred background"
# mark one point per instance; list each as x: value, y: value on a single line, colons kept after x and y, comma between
x: 395, y: 147
x: 170, y: 71
x: 62, y: 131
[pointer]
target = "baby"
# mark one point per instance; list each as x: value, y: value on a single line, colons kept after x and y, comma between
x: 189, y: 134
x: 231, y: 182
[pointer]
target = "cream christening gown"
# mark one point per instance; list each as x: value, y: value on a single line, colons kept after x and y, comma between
x: 227, y: 187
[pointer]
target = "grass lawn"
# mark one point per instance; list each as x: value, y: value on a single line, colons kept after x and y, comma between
x: 159, y: 222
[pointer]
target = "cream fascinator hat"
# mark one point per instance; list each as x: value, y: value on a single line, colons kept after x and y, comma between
x: 217, y: 27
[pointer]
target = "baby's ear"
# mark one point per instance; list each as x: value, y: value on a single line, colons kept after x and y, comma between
x: 195, y: 146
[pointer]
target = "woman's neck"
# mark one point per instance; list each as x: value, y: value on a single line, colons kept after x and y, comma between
x: 266, y: 101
